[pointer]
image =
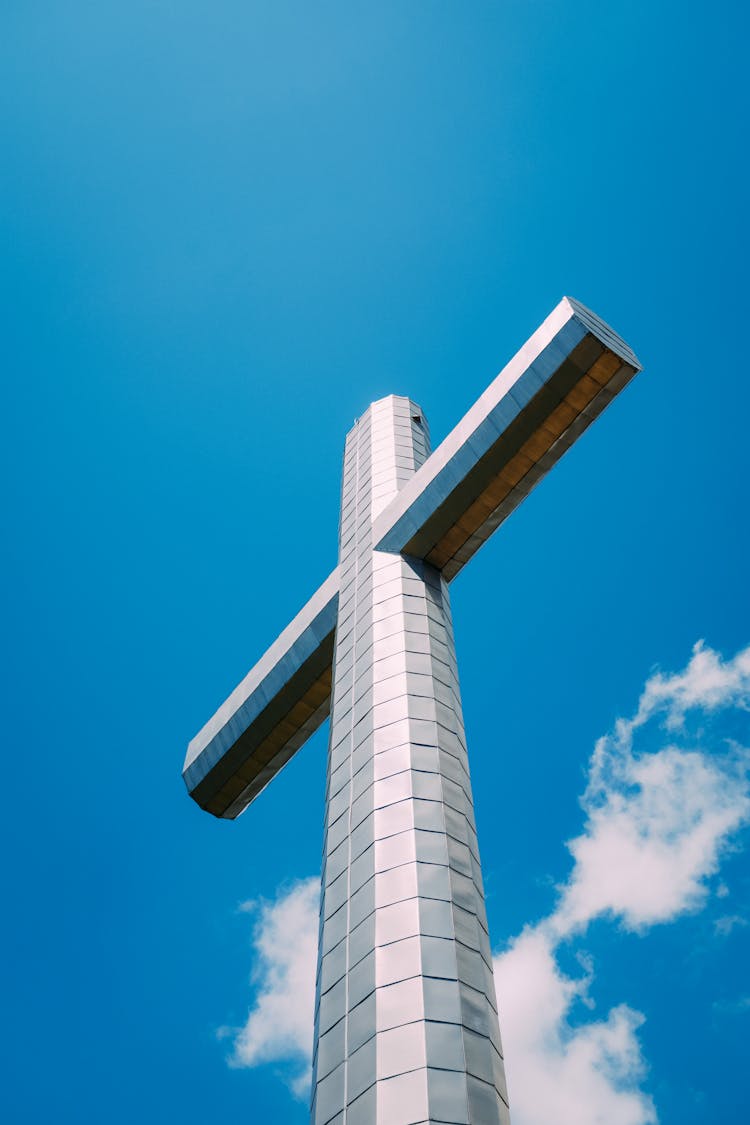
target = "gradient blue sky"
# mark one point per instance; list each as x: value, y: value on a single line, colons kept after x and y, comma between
x: 226, y: 228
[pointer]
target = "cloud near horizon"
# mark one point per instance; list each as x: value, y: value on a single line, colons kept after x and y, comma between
x: 657, y: 824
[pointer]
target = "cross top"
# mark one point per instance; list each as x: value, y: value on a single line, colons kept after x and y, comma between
x: 406, y: 1027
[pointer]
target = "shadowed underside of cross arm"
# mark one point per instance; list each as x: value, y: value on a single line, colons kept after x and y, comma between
x: 268, y: 717
x: 552, y: 389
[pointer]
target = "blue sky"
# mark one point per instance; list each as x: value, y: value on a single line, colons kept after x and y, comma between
x: 226, y: 229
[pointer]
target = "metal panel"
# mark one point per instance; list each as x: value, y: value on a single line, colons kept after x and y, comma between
x: 405, y: 1015
x: 403, y: 828
x: 278, y: 705
x: 562, y: 378
x: 442, y: 512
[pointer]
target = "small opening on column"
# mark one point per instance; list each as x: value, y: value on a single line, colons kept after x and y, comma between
x: 417, y: 418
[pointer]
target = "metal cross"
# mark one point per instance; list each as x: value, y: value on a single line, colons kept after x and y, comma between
x: 406, y: 1026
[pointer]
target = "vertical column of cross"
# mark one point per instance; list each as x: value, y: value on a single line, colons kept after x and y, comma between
x: 406, y: 1029
x: 335, y: 1039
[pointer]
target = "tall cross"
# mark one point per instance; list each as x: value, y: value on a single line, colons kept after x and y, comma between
x: 406, y: 1026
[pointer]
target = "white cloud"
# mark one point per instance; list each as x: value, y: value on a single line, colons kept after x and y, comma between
x: 708, y: 683
x: 657, y: 825
x: 279, y: 1027
x: 587, y: 1075
x: 656, y: 828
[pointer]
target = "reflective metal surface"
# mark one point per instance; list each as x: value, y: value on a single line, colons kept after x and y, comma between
x: 406, y: 1026
x: 549, y: 393
x: 278, y: 705
x: 561, y: 379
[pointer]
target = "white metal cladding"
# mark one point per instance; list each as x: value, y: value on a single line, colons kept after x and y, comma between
x: 559, y: 382
x: 282, y: 700
x: 539, y: 404
x: 406, y: 1028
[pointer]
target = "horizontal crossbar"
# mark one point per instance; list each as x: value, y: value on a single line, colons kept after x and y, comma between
x: 552, y: 389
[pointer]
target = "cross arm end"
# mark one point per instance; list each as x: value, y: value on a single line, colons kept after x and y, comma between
x: 541, y: 402
x: 281, y: 702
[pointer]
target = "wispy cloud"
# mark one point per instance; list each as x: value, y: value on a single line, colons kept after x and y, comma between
x: 656, y: 826
x: 279, y: 1026
x: 725, y: 925
x: 708, y: 683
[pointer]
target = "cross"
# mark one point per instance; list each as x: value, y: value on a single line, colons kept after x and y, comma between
x: 406, y: 1025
